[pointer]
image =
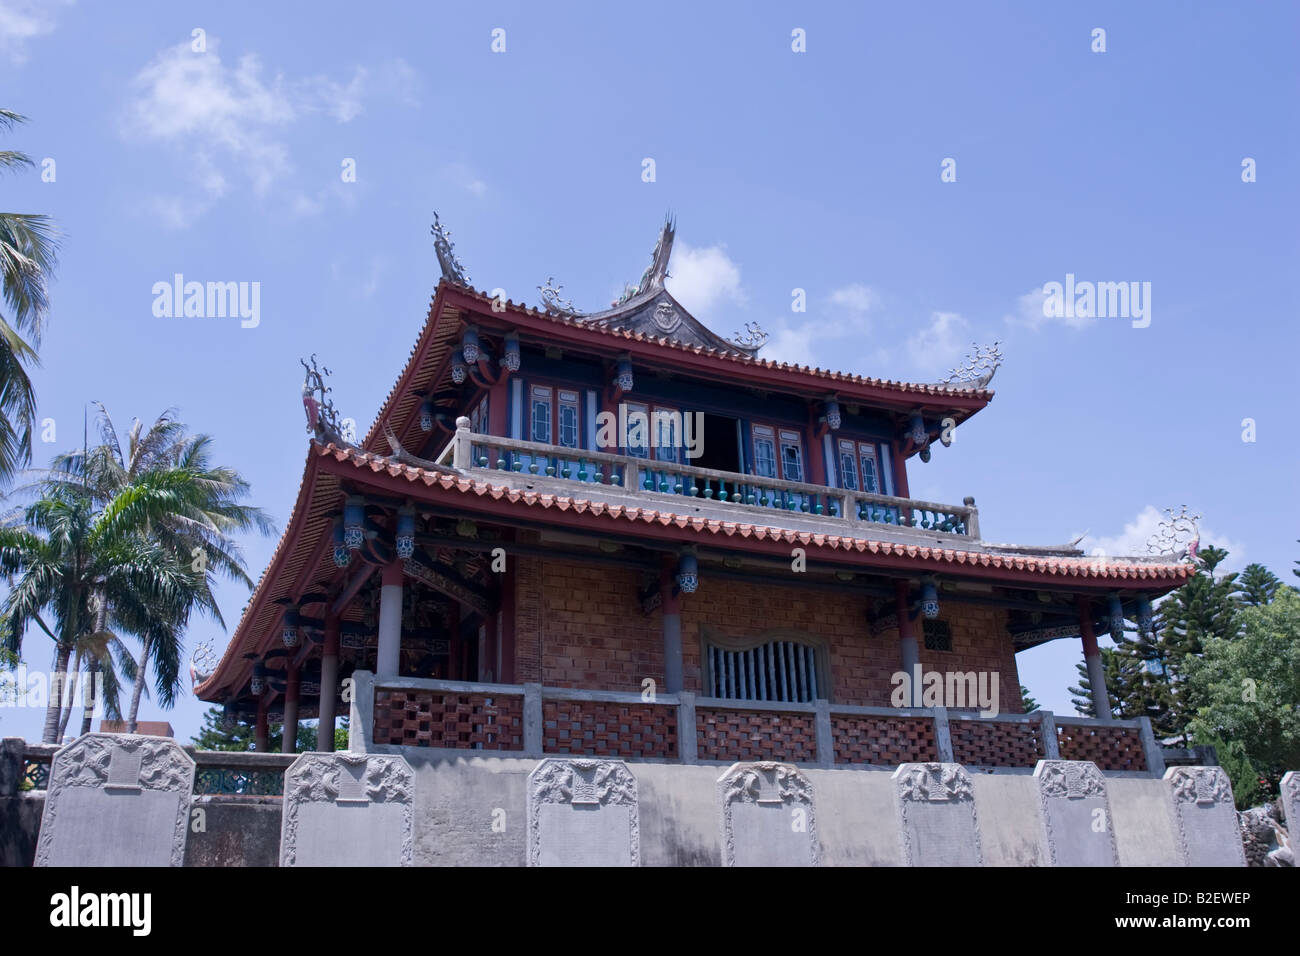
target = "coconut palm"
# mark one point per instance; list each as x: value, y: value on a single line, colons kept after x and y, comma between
x: 28, y: 254
x: 205, y: 512
x: 66, y: 557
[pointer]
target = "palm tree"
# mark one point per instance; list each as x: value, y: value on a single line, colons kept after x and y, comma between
x: 28, y: 254
x: 66, y: 556
x: 205, y: 512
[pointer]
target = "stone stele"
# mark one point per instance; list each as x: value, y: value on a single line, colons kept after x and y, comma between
x: 347, y: 809
x: 768, y: 817
x: 583, y: 812
x: 1078, y: 829
x: 1291, y: 808
x: 936, y: 815
x: 117, y: 800
x: 1205, y: 817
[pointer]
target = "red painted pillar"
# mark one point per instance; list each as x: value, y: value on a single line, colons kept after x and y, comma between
x: 909, y: 652
x: 1092, y: 658
x: 262, y: 732
x: 329, y: 685
x: 289, y: 743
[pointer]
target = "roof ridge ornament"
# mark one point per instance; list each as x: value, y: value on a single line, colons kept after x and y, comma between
x: 452, y: 270
x: 1178, y: 535
x: 652, y: 280
x: 552, y: 302
x: 322, y: 416
x: 979, y: 367
x: 752, y: 339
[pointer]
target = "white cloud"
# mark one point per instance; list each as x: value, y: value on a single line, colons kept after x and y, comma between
x: 24, y: 20
x: 228, y: 121
x: 791, y: 344
x: 1133, y: 539
x: 1031, y: 313
x: 855, y: 299
x: 941, y: 343
x: 703, y: 277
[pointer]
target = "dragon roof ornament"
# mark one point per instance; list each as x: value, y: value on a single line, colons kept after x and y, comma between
x: 552, y: 302
x: 452, y: 270
x: 979, y: 367
x: 752, y: 339
x: 322, y: 416
x: 1178, y: 534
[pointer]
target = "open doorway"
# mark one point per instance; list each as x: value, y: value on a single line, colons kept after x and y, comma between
x: 720, y: 448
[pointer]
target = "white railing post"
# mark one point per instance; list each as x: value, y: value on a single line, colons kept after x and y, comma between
x: 973, y: 518
x: 1051, y: 744
x: 825, y: 734
x: 632, y: 476
x: 460, y: 456
x: 687, y: 740
x: 942, y: 735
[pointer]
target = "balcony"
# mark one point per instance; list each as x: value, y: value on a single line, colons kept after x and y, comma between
x: 719, y: 495
x: 449, y: 719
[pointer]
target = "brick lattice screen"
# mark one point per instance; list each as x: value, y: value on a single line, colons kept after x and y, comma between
x: 745, y: 735
x: 985, y: 743
x: 600, y: 729
x: 1110, y: 748
x: 884, y: 741
x: 423, y: 718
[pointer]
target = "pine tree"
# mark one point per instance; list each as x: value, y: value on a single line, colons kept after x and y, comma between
x: 1258, y: 586
x: 1027, y: 704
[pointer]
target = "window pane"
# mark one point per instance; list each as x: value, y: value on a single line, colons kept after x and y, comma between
x: 869, y: 481
x: 569, y: 426
x: 764, y: 457
x: 848, y: 473
x: 791, y: 463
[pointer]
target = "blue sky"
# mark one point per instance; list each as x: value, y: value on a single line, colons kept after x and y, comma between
x: 817, y: 170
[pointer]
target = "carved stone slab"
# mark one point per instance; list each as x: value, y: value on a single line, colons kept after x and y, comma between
x: 1205, y: 817
x: 936, y: 815
x: 347, y: 809
x: 117, y: 800
x: 583, y: 812
x: 1078, y: 829
x: 1291, y: 808
x: 768, y: 816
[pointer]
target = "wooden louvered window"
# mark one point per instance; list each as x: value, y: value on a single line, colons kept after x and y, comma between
x: 782, y: 670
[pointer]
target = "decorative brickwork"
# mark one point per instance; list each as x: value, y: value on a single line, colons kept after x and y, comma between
x: 747, y: 735
x: 422, y: 718
x: 987, y: 743
x: 600, y: 729
x: 883, y: 741
x: 1110, y: 748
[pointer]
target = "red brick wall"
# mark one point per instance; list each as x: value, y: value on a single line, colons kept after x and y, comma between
x: 580, y: 624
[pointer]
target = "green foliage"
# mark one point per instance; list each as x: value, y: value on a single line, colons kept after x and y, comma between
x: 1027, y: 704
x: 28, y: 255
x: 1258, y: 585
x: 1249, y: 693
x: 242, y: 736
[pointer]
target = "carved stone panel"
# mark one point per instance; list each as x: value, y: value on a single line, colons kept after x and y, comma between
x: 1205, y: 817
x: 768, y: 816
x: 1078, y: 829
x: 583, y: 812
x: 117, y: 800
x: 936, y: 815
x: 1291, y: 808
x: 347, y: 809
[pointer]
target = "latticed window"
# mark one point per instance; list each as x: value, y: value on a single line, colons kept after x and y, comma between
x: 541, y: 415
x: 938, y: 636
x: 779, y: 670
x: 568, y: 419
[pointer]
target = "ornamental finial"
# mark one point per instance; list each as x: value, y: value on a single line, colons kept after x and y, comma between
x: 752, y: 339
x: 1177, y: 535
x: 552, y: 302
x: 322, y: 417
x: 452, y: 270
x: 981, y: 363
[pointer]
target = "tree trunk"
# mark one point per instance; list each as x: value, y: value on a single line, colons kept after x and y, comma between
x: 74, y: 673
x: 50, y: 734
x: 141, y: 670
x: 92, y: 672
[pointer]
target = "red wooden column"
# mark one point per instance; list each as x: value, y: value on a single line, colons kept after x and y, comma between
x: 289, y: 743
x: 262, y: 732
x: 329, y: 684
x: 908, y: 651
x: 1092, y: 658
